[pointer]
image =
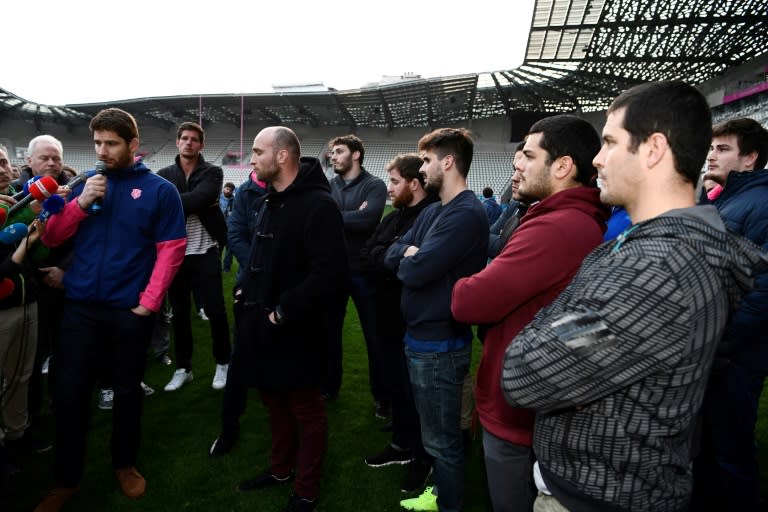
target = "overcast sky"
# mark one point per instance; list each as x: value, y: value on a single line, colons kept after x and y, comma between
x: 83, y: 51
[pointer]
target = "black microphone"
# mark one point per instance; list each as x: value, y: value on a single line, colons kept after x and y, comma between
x: 80, y: 178
x: 101, y: 168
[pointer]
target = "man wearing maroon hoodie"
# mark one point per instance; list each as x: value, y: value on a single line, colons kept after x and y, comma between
x: 565, y: 222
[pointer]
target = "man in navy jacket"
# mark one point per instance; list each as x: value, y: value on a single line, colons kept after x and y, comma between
x: 726, y: 472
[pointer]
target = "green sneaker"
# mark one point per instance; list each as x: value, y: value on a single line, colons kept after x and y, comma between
x: 427, y: 502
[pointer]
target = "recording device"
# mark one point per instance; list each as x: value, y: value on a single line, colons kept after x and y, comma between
x: 51, y: 206
x: 101, y: 168
x: 13, y: 233
x: 40, y: 190
x: 25, y: 189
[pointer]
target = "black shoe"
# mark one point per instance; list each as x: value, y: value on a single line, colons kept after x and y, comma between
x: 18, y: 449
x: 387, y: 427
x: 417, y: 475
x: 264, y: 480
x: 298, y: 504
x: 222, y: 445
x: 383, y: 409
x: 390, y: 455
x: 329, y: 396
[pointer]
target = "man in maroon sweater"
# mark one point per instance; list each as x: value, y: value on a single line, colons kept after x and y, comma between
x: 565, y: 222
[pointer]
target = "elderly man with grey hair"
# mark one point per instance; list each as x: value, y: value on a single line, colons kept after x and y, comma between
x: 44, y: 158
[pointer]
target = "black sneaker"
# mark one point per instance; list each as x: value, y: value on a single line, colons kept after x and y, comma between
x: 416, y: 477
x: 390, y: 455
x: 298, y: 504
x: 222, y: 445
x: 264, y: 480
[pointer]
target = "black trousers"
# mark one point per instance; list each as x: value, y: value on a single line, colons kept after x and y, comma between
x: 202, y: 271
x: 94, y: 336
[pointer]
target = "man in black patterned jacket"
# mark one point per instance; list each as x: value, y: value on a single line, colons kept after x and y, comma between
x: 617, y: 366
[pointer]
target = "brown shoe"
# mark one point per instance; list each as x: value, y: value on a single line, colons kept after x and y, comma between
x: 131, y: 482
x: 55, y: 499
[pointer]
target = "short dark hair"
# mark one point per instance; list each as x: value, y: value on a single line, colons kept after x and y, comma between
x: 285, y: 138
x: 750, y: 134
x: 408, y: 165
x: 569, y: 135
x: 520, y: 146
x: 352, y: 142
x: 229, y: 184
x: 487, y: 192
x: 676, y: 110
x: 454, y: 141
x: 115, y: 120
x: 192, y: 127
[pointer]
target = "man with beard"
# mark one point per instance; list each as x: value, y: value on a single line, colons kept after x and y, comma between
x: 124, y: 259
x: 564, y: 224
x: 448, y: 241
x: 297, y: 261
x: 406, y: 189
x: 509, y: 219
x: 360, y: 196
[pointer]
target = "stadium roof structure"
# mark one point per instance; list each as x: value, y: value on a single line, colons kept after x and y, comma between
x: 580, y: 55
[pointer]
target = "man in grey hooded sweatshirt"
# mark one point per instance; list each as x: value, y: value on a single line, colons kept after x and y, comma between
x: 617, y: 366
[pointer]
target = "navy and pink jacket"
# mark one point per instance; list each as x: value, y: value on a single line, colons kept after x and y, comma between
x: 129, y: 254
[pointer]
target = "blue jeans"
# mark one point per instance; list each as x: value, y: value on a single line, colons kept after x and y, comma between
x: 437, y: 380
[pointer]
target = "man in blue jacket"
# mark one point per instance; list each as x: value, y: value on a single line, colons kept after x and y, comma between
x: 125, y: 256
x: 726, y: 472
x: 448, y: 241
x: 241, y: 225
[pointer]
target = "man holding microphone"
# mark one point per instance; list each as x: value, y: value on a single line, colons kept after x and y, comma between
x: 126, y: 254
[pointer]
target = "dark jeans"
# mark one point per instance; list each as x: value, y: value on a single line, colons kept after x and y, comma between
x: 235, y: 394
x: 509, y: 469
x: 437, y: 380
x: 362, y: 294
x: 202, y: 271
x: 299, y: 436
x: 88, y: 333
x: 725, y: 472
x: 49, y: 303
x: 227, y: 263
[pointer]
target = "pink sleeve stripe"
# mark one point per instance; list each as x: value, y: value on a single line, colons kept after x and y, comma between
x: 63, y: 225
x: 170, y: 255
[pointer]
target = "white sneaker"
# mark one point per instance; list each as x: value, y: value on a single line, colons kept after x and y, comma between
x: 46, y: 363
x: 147, y: 389
x: 220, y: 379
x: 202, y: 314
x: 106, y: 399
x: 180, y: 377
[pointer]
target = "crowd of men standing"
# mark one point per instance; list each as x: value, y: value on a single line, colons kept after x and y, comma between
x: 616, y: 374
